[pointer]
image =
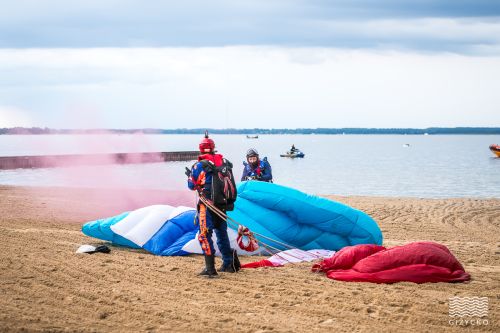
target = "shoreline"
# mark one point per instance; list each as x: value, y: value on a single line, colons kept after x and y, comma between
x: 183, y: 191
x: 47, y: 287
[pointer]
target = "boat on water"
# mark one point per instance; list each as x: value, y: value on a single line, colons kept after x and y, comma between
x: 296, y: 154
x: 252, y: 136
x: 495, y: 149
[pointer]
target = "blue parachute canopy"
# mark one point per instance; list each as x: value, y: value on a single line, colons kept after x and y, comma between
x: 301, y: 220
x: 159, y: 229
x: 102, y: 229
x: 281, y: 217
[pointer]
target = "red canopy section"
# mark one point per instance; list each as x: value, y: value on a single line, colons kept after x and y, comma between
x: 417, y: 262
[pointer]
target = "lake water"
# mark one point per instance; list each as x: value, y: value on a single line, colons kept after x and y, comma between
x: 371, y: 165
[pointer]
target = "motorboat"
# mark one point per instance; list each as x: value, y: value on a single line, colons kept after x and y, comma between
x: 495, y: 149
x: 295, y: 154
x: 252, y: 136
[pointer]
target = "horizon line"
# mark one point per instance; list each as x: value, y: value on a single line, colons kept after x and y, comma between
x: 256, y: 131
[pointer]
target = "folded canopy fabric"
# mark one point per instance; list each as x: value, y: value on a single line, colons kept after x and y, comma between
x: 417, y: 262
x: 292, y: 256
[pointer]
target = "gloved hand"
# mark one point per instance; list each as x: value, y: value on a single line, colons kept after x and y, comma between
x: 188, y: 172
x: 250, y: 178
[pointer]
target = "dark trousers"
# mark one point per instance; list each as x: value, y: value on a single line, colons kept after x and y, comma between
x: 209, y: 222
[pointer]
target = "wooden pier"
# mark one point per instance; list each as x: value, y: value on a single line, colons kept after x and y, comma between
x: 51, y: 161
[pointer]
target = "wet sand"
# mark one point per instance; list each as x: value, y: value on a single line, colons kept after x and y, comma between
x: 45, y: 286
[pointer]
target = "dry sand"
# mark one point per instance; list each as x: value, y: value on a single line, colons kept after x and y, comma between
x: 45, y: 286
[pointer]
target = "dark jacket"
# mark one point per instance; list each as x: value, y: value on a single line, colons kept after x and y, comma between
x: 262, y: 172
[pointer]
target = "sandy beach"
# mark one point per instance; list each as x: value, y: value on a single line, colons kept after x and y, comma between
x: 45, y: 286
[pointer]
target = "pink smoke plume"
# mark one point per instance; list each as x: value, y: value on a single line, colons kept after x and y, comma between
x: 105, y: 186
x: 128, y: 191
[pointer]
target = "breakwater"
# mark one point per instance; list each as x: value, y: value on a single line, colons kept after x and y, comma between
x: 50, y: 161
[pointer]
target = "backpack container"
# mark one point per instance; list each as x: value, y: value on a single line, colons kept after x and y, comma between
x: 223, y: 186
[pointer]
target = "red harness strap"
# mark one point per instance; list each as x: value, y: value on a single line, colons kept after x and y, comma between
x: 245, y: 233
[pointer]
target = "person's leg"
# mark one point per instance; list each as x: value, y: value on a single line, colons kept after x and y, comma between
x: 230, y: 262
x: 205, y: 224
x: 223, y: 242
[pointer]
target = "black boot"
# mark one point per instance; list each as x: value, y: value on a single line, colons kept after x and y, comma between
x: 209, y: 270
x: 236, y: 260
x: 234, y: 266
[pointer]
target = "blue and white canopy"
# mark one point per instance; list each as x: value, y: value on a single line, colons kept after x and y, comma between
x: 277, y: 214
x: 160, y: 229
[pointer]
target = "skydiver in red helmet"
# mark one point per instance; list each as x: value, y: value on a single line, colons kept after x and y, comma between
x: 200, y: 178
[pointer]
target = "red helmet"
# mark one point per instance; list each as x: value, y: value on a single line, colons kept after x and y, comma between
x: 207, y: 145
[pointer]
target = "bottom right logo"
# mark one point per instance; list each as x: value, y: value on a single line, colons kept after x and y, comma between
x: 464, y: 311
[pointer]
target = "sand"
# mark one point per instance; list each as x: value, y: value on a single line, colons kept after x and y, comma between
x: 45, y: 286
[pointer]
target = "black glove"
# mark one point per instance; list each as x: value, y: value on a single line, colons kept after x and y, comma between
x: 188, y: 172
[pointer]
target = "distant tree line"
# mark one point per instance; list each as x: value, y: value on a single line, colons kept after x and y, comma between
x: 253, y: 131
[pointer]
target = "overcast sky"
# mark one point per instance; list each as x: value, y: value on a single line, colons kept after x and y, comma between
x: 245, y: 64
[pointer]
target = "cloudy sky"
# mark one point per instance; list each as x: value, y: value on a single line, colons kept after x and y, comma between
x: 245, y: 64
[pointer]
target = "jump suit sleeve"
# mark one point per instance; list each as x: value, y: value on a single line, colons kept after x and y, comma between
x: 197, y: 179
x: 267, y: 173
x: 245, y: 172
